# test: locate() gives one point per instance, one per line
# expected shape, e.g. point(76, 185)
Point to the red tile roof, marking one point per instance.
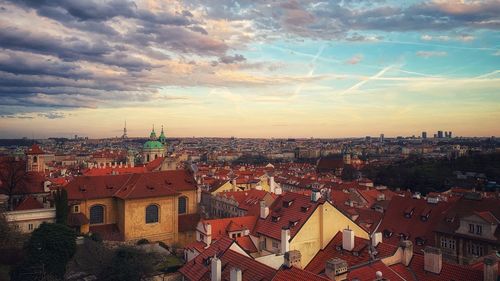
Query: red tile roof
point(34, 150)
point(221, 227)
point(368, 273)
point(395, 221)
point(248, 200)
point(115, 171)
point(130, 186)
point(29, 203)
point(334, 250)
point(300, 209)
point(295, 274)
point(154, 164)
point(448, 272)
point(246, 243)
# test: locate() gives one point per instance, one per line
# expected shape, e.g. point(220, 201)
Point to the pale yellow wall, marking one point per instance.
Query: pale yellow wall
point(225, 187)
point(319, 230)
point(135, 220)
point(109, 209)
point(192, 205)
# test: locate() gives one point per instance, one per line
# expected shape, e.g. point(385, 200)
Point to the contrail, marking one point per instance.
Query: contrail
point(311, 71)
point(361, 83)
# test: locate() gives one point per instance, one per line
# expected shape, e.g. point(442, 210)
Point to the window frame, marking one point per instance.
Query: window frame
point(185, 211)
point(152, 220)
point(103, 214)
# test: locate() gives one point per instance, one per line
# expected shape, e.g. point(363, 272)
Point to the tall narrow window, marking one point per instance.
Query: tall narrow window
point(151, 213)
point(96, 214)
point(182, 205)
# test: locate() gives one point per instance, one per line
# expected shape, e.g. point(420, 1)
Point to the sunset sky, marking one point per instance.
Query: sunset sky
point(249, 68)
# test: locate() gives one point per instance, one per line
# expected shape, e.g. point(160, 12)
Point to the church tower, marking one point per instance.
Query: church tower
point(152, 149)
point(35, 159)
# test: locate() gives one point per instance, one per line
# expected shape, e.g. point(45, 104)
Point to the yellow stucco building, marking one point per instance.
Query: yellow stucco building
point(132, 206)
point(299, 222)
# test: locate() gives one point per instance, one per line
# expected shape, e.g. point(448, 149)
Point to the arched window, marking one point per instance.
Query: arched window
point(182, 205)
point(97, 214)
point(147, 158)
point(152, 213)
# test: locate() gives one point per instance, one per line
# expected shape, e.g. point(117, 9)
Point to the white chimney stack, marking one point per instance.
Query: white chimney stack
point(235, 274)
point(215, 267)
point(272, 184)
point(433, 259)
point(348, 239)
point(208, 235)
point(285, 240)
point(264, 210)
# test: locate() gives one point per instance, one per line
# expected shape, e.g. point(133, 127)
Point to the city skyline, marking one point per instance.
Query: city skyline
point(250, 69)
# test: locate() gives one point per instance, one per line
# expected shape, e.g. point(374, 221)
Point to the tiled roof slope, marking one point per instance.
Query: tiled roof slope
point(300, 209)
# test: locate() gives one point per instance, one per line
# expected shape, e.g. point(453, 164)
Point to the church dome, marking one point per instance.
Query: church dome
point(152, 145)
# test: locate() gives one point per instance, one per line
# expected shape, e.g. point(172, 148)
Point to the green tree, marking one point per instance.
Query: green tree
point(48, 251)
point(128, 264)
point(61, 202)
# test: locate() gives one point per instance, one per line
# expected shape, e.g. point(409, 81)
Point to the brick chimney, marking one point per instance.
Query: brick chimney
point(235, 274)
point(215, 268)
point(293, 258)
point(264, 210)
point(208, 236)
point(490, 268)
point(433, 259)
point(336, 269)
point(348, 239)
point(407, 255)
point(376, 238)
point(285, 240)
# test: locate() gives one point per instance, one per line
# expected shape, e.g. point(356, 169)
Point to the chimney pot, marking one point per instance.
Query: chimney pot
point(348, 239)
point(264, 210)
point(293, 258)
point(336, 269)
point(407, 255)
point(285, 240)
point(235, 274)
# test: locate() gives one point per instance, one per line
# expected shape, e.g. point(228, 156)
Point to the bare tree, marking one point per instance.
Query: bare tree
point(13, 178)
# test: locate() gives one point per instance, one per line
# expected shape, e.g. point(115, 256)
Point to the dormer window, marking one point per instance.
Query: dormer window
point(305, 208)
point(275, 218)
point(76, 208)
point(293, 222)
point(409, 212)
point(471, 228)
point(420, 241)
point(479, 229)
point(387, 233)
point(287, 203)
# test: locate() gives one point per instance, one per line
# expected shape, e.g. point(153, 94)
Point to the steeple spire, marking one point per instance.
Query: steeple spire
point(162, 137)
point(152, 136)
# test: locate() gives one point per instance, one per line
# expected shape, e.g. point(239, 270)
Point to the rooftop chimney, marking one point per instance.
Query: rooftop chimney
point(293, 258)
point(407, 255)
point(336, 269)
point(433, 259)
point(235, 274)
point(490, 268)
point(348, 239)
point(208, 236)
point(264, 210)
point(376, 239)
point(215, 267)
point(285, 240)
point(272, 184)
point(315, 195)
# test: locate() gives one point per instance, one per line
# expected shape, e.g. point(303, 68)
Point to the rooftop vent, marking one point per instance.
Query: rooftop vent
point(305, 208)
point(275, 218)
point(409, 212)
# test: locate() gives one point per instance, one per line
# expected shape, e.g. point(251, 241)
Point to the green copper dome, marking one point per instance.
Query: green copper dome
point(153, 145)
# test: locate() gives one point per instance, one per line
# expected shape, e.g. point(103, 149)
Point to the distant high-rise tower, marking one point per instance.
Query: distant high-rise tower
point(424, 135)
point(125, 131)
point(381, 137)
point(440, 134)
point(449, 134)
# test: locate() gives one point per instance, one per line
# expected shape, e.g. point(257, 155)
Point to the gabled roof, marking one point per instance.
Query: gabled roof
point(413, 226)
point(29, 203)
point(221, 227)
point(287, 208)
point(368, 273)
point(199, 267)
point(248, 200)
point(131, 186)
point(334, 250)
